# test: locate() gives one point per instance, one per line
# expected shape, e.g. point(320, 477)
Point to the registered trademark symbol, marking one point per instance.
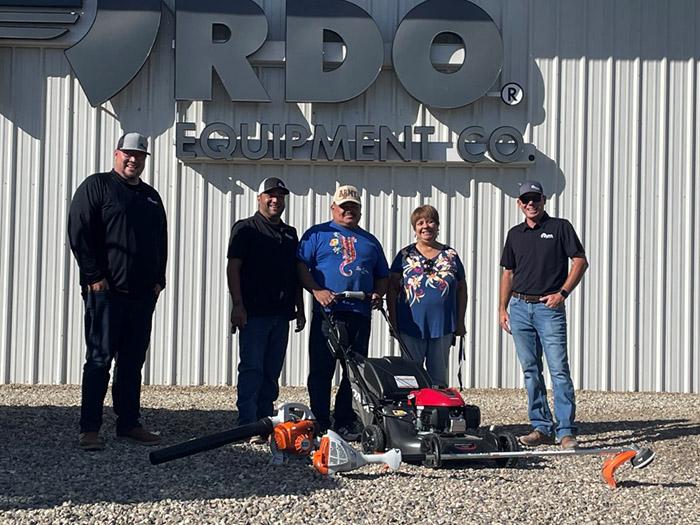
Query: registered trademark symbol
point(512, 94)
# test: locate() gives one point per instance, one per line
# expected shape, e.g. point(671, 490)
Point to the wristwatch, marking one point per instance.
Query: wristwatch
point(564, 293)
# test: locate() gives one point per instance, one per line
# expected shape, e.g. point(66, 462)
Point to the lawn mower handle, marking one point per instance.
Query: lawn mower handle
point(395, 333)
point(360, 296)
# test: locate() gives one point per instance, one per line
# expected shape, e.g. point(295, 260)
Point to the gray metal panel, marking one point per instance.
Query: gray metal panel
point(612, 104)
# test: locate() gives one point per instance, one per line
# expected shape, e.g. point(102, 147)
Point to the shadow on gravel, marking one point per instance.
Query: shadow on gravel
point(41, 465)
point(624, 433)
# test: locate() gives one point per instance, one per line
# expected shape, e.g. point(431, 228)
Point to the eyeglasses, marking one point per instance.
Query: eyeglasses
point(534, 197)
point(428, 265)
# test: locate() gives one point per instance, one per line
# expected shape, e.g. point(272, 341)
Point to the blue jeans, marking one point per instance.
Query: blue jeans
point(435, 352)
point(535, 328)
point(354, 326)
point(117, 327)
point(262, 347)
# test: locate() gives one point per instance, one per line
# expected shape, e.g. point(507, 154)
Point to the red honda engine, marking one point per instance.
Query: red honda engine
point(431, 397)
point(443, 410)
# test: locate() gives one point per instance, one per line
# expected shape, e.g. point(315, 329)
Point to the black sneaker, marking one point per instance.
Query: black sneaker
point(351, 432)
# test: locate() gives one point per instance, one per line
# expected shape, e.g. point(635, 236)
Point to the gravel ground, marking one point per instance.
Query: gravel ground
point(45, 478)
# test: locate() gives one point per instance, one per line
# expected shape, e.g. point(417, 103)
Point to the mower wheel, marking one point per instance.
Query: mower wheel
point(373, 439)
point(507, 442)
point(432, 447)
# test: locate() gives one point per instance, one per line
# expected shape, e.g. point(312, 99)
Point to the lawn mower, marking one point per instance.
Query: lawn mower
point(400, 407)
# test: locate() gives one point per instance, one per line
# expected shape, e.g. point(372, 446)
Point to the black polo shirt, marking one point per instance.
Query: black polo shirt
point(539, 256)
point(268, 269)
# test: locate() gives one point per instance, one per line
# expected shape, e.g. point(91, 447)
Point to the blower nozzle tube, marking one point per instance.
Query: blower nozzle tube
point(263, 427)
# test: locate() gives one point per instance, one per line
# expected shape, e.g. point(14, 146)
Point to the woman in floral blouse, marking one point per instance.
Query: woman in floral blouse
point(427, 296)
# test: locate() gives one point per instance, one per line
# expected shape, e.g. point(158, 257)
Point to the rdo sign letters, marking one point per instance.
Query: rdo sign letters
point(198, 52)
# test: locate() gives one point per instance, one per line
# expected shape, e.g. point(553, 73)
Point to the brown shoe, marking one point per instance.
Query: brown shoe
point(568, 443)
point(140, 436)
point(536, 438)
point(91, 441)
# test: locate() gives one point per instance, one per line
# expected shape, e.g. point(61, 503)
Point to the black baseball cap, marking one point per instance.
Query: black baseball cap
point(272, 183)
point(531, 186)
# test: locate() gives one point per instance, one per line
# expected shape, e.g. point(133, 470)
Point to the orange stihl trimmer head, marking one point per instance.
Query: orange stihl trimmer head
point(638, 457)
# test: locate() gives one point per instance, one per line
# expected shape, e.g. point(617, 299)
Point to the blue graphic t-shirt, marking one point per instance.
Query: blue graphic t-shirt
point(427, 304)
point(343, 260)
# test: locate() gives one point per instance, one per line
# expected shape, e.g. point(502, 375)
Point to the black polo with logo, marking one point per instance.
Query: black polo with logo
point(539, 256)
point(268, 269)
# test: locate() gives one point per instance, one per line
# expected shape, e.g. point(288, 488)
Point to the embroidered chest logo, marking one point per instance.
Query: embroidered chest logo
point(346, 247)
point(547, 236)
point(152, 201)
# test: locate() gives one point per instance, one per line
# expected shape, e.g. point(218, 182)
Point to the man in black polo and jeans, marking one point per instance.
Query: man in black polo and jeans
point(262, 281)
point(118, 234)
point(535, 283)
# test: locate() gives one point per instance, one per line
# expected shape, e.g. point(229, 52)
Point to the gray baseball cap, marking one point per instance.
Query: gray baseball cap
point(133, 142)
point(531, 186)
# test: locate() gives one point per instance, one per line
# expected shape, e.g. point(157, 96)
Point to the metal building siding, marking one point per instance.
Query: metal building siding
point(612, 104)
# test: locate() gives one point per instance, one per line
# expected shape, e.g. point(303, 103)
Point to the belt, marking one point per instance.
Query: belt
point(527, 298)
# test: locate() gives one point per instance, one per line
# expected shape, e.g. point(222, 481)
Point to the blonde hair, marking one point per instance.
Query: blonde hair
point(424, 212)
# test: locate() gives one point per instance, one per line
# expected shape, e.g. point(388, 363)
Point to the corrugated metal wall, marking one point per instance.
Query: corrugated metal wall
point(611, 105)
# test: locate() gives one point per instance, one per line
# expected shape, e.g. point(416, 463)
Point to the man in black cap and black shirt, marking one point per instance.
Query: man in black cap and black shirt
point(263, 283)
point(118, 233)
point(535, 283)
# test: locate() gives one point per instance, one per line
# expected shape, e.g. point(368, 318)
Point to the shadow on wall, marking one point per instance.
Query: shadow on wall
point(143, 105)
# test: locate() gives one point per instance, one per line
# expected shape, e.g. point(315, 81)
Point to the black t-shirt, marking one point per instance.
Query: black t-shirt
point(268, 269)
point(539, 256)
point(118, 232)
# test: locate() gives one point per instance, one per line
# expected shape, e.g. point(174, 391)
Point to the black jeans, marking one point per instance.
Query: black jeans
point(322, 366)
point(116, 326)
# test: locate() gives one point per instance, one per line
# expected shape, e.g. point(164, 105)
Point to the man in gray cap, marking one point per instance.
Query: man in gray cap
point(118, 233)
point(263, 284)
point(535, 283)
